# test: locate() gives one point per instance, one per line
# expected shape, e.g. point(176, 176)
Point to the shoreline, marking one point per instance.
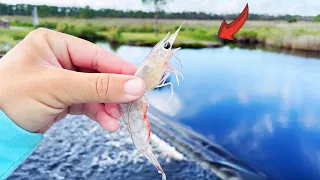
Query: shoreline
point(217, 45)
point(179, 44)
point(239, 41)
point(246, 44)
point(257, 42)
point(243, 44)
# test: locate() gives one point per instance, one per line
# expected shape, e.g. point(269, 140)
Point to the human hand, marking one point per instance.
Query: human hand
point(50, 74)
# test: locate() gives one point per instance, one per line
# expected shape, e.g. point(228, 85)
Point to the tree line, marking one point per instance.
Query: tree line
point(87, 12)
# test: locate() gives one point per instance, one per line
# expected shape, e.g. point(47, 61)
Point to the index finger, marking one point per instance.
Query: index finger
point(72, 51)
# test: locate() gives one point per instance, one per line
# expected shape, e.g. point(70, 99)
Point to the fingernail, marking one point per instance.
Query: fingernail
point(134, 87)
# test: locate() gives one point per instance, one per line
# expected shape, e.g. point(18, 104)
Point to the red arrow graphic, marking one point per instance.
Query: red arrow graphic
point(227, 31)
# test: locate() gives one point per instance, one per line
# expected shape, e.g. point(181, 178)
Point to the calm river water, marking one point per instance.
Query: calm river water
point(253, 110)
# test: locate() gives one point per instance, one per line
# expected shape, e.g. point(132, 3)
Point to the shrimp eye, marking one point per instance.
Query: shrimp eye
point(167, 45)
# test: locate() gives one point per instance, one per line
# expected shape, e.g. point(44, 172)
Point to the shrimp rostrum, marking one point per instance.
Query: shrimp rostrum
point(154, 71)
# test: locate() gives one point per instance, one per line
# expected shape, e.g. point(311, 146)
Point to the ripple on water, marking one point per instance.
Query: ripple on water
point(77, 148)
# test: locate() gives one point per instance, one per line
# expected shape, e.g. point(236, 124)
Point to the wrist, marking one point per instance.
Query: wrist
point(16, 144)
point(15, 132)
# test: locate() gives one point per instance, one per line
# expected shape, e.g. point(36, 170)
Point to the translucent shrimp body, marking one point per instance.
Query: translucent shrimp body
point(134, 116)
point(154, 70)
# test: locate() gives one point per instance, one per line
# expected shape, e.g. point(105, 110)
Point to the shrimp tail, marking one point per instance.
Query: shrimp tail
point(134, 115)
point(150, 156)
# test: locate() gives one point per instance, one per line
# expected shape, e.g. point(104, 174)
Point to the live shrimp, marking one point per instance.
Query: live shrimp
point(154, 71)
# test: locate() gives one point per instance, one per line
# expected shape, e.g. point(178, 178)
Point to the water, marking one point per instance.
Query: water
point(236, 109)
point(78, 148)
point(260, 106)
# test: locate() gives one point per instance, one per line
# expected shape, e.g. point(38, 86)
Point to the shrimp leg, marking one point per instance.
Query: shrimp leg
point(173, 69)
point(167, 73)
point(166, 84)
point(164, 78)
point(176, 72)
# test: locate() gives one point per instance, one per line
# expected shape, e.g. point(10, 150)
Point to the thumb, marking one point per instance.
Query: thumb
point(78, 87)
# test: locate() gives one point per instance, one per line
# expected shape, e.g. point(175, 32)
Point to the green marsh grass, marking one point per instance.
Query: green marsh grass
point(194, 33)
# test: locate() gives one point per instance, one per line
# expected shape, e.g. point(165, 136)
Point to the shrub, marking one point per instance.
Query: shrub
point(114, 34)
point(292, 20)
point(81, 31)
point(7, 39)
point(317, 18)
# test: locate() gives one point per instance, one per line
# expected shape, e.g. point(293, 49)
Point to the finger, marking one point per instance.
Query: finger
point(77, 88)
point(61, 115)
point(71, 51)
point(96, 112)
point(75, 109)
point(87, 70)
point(112, 110)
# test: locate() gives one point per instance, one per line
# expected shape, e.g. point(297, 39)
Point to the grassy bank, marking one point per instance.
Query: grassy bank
point(10, 37)
point(194, 34)
point(297, 36)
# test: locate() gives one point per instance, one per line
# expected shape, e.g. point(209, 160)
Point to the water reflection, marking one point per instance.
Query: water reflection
point(158, 100)
point(263, 107)
point(114, 47)
point(301, 53)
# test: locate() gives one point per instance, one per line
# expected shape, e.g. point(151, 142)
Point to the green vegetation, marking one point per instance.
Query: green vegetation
point(4, 39)
point(317, 18)
point(302, 36)
point(8, 36)
point(194, 34)
point(128, 32)
point(86, 12)
point(87, 32)
point(156, 4)
point(292, 20)
point(16, 33)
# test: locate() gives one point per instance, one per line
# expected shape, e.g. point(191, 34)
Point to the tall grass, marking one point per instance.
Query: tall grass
point(299, 35)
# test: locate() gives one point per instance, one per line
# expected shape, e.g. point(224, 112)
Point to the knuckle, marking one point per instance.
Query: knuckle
point(41, 29)
point(38, 31)
point(103, 87)
point(37, 36)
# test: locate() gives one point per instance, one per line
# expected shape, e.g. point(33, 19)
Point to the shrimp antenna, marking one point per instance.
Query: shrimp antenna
point(178, 59)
